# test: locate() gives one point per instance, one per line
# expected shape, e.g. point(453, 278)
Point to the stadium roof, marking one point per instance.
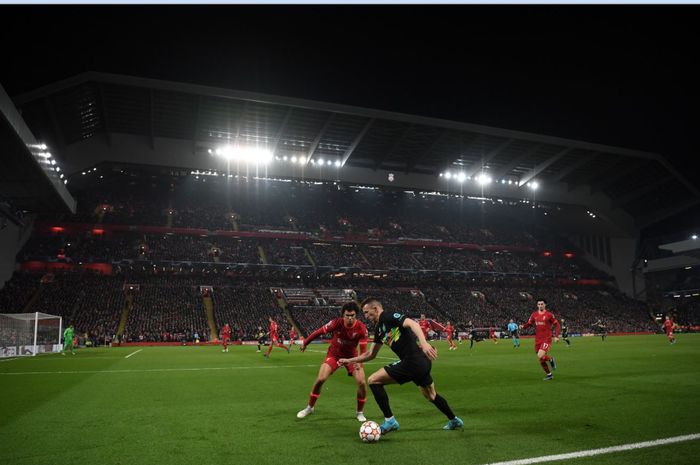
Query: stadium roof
point(29, 178)
point(643, 184)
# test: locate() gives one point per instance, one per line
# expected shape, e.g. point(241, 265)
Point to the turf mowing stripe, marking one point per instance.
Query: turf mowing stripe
point(8, 360)
point(604, 450)
point(133, 353)
point(158, 370)
point(323, 352)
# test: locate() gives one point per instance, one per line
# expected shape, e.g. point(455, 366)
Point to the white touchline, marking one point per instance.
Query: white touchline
point(133, 353)
point(604, 450)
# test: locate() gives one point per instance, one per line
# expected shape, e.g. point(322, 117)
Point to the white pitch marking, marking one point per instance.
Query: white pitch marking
point(133, 353)
point(604, 450)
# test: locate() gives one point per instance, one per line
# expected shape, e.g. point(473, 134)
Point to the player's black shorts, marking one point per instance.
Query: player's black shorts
point(514, 333)
point(262, 341)
point(414, 369)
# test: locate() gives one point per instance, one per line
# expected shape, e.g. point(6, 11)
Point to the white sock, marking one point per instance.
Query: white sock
point(388, 419)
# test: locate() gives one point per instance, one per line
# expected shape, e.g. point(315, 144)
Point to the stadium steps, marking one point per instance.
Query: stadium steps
point(309, 257)
point(128, 303)
point(263, 256)
point(169, 222)
point(234, 223)
point(418, 262)
point(437, 312)
point(209, 310)
point(364, 258)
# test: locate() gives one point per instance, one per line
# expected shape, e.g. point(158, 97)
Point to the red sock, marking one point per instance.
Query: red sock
point(361, 404)
point(313, 398)
point(269, 349)
point(544, 366)
point(282, 346)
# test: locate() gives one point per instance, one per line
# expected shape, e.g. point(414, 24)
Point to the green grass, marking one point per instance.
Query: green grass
point(185, 405)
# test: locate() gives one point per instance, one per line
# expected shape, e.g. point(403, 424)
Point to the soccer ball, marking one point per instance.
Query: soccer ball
point(370, 432)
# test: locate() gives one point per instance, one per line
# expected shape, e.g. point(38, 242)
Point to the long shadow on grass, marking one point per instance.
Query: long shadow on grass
point(25, 393)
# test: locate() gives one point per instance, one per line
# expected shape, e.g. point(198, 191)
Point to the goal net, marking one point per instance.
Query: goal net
point(29, 333)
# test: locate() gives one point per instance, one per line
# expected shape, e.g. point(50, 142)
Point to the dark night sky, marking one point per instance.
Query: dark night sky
point(625, 75)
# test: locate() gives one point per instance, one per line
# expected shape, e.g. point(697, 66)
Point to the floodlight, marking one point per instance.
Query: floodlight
point(448, 175)
point(337, 163)
point(461, 177)
point(294, 159)
point(483, 179)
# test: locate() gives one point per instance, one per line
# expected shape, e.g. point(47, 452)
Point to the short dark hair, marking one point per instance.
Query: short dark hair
point(542, 300)
point(370, 301)
point(350, 307)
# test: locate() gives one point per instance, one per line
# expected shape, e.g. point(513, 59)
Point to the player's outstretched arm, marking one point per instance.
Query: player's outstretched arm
point(311, 337)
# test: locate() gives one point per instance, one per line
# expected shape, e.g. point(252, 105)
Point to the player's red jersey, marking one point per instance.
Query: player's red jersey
point(449, 331)
point(668, 326)
point(345, 340)
point(491, 332)
point(292, 334)
point(543, 326)
point(273, 330)
point(226, 332)
point(424, 325)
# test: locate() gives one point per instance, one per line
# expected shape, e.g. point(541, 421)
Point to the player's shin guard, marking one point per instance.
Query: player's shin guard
point(382, 399)
point(441, 404)
point(545, 367)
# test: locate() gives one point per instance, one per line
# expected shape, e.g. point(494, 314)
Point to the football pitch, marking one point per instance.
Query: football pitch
point(197, 405)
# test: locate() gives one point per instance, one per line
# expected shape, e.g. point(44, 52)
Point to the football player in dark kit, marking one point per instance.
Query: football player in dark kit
point(565, 332)
point(404, 336)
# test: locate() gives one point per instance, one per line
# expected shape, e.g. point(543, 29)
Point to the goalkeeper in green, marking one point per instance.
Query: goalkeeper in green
point(68, 340)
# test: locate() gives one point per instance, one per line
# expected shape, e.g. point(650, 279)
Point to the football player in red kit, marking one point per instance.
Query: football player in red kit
point(668, 329)
point(543, 320)
point(347, 333)
point(450, 331)
point(225, 337)
point(274, 338)
point(292, 336)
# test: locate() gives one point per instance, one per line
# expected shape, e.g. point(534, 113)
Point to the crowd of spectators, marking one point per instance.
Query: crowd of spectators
point(222, 202)
point(17, 292)
point(168, 305)
point(286, 253)
point(337, 255)
point(166, 310)
point(246, 308)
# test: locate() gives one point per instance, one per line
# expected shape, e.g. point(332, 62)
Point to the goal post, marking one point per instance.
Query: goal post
point(28, 334)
